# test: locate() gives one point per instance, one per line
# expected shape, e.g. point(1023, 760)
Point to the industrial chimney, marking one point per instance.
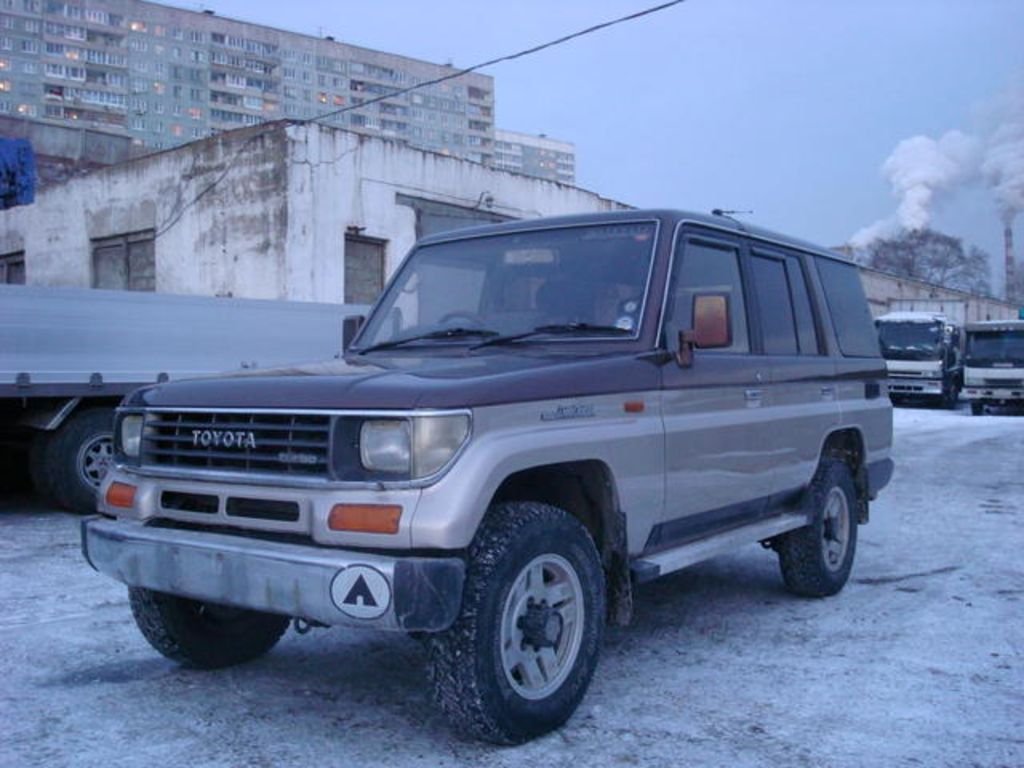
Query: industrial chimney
point(1008, 244)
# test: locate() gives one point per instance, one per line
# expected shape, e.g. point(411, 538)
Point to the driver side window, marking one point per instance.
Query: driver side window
point(705, 267)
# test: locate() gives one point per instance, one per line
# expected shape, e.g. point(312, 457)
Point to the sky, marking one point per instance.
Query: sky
point(788, 108)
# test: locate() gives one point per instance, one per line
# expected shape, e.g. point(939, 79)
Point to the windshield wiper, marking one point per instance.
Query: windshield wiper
point(560, 329)
point(443, 333)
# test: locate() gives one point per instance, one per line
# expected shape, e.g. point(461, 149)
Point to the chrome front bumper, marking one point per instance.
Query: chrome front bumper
point(995, 394)
point(331, 586)
point(905, 385)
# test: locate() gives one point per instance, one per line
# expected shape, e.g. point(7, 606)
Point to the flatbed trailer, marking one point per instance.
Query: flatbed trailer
point(68, 356)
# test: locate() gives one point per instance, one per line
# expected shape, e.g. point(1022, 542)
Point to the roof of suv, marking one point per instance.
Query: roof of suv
point(722, 222)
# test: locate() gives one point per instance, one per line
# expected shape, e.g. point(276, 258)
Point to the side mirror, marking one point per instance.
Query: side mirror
point(350, 327)
point(711, 327)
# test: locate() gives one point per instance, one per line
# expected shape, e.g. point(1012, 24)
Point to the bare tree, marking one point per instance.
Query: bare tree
point(925, 254)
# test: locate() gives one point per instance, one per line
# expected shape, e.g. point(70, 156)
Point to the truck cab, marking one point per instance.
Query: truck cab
point(923, 357)
point(994, 364)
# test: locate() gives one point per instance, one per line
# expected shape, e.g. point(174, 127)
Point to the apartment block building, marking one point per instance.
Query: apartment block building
point(537, 156)
point(165, 76)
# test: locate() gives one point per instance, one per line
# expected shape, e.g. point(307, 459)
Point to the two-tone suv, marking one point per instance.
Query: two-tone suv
point(534, 418)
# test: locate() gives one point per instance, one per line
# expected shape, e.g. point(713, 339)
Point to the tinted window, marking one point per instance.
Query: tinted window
point(707, 268)
point(807, 334)
point(848, 307)
point(514, 282)
point(774, 308)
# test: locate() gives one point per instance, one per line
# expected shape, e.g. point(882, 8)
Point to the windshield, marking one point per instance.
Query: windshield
point(910, 341)
point(996, 347)
point(459, 292)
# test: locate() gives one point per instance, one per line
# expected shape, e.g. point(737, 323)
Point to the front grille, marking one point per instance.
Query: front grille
point(189, 502)
point(263, 509)
point(261, 443)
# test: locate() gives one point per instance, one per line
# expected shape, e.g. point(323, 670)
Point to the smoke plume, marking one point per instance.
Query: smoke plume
point(1003, 166)
point(918, 170)
point(921, 170)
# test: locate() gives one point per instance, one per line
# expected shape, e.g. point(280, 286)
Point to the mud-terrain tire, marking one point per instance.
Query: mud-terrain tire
point(816, 559)
point(977, 409)
point(77, 456)
point(533, 574)
point(203, 635)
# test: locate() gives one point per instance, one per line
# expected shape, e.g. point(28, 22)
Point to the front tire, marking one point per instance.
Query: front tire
point(519, 658)
point(816, 560)
point(203, 635)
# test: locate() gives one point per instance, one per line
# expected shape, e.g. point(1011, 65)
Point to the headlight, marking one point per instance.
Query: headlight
point(131, 435)
point(384, 446)
point(416, 447)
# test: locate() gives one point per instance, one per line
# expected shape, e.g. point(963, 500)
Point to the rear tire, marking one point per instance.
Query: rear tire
point(977, 409)
point(203, 635)
point(519, 658)
point(816, 560)
point(77, 458)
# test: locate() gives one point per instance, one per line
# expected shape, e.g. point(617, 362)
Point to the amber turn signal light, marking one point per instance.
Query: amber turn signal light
point(121, 495)
point(365, 518)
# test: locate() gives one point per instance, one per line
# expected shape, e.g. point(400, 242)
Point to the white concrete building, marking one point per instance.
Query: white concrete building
point(282, 210)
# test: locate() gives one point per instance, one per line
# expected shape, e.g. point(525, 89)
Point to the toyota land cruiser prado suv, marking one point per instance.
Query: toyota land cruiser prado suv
point(534, 418)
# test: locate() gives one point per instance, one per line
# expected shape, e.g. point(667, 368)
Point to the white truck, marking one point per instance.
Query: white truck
point(923, 356)
point(68, 356)
point(994, 364)
point(954, 310)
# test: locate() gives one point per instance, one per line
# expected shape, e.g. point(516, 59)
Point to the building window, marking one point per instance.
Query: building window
point(125, 262)
point(12, 268)
point(364, 269)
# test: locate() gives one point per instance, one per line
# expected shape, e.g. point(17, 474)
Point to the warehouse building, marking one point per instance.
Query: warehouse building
point(283, 210)
point(892, 293)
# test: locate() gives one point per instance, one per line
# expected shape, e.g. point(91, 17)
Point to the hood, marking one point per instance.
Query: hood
point(407, 382)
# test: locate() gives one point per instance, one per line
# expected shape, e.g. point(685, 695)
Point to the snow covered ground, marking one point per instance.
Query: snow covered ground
point(918, 662)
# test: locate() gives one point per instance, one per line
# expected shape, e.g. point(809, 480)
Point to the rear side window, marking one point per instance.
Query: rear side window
point(774, 307)
point(805, 329)
point(848, 307)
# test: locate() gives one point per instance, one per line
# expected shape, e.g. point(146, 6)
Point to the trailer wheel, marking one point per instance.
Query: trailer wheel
point(78, 457)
